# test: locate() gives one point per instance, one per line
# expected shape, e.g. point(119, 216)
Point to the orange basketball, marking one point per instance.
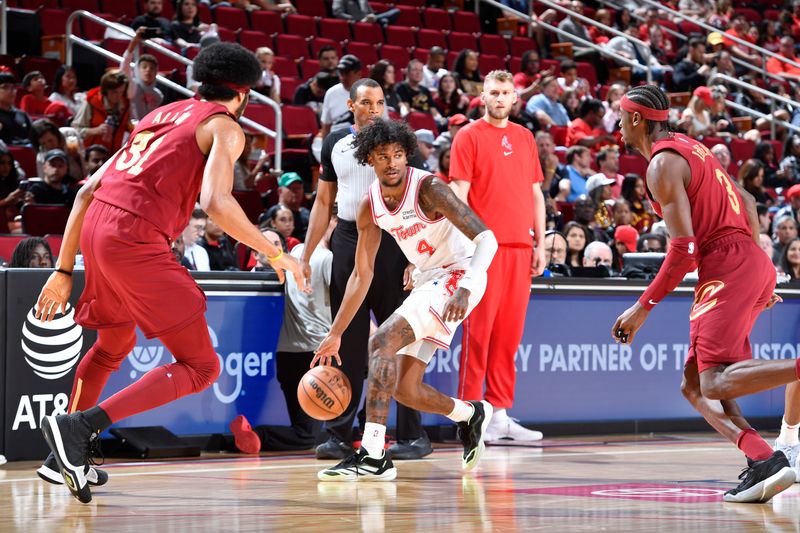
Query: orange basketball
point(324, 392)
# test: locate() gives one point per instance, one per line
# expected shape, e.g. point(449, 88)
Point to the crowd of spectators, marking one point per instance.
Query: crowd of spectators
point(589, 178)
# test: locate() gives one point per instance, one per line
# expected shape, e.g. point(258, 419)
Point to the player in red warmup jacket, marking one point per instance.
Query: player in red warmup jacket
point(713, 225)
point(124, 219)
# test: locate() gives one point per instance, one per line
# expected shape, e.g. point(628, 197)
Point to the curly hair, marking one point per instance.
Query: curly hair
point(225, 62)
point(383, 132)
point(21, 256)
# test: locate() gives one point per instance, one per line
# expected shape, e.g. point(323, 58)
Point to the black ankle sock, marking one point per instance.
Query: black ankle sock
point(98, 419)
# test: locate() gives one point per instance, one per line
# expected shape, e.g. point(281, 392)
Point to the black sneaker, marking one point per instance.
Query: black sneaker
point(333, 448)
point(50, 472)
point(411, 449)
point(69, 438)
point(361, 467)
point(471, 433)
point(762, 480)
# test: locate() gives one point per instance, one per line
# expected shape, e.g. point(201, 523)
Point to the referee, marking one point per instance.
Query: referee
point(342, 179)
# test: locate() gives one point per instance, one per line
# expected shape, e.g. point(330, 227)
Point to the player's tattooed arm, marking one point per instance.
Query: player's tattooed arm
point(437, 199)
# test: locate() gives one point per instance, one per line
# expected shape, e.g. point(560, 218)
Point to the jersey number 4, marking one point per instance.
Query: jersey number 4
point(132, 158)
point(424, 248)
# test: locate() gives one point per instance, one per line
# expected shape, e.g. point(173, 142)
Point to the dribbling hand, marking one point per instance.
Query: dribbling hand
point(54, 296)
point(328, 351)
point(628, 323)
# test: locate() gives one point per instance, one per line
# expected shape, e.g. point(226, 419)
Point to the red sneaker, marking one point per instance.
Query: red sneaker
point(244, 437)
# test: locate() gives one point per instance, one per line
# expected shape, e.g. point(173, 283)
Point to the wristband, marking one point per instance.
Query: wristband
point(65, 272)
point(270, 259)
point(681, 258)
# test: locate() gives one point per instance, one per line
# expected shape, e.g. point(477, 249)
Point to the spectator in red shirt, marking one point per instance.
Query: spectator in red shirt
point(603, 16)
point(587, 130)
point(650, 19)
point(35, 102)
point(528, 81)
point(781, 68)
point(739, 28)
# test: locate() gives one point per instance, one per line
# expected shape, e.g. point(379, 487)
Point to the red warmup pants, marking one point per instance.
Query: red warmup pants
point(493, 330)
point(133, 279)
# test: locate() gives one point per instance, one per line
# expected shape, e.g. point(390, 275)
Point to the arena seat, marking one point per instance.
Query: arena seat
point(317, 43)
point(26, 157)
point(427, 38)
point(366, 52)
point(291, 46)
point(302, 25)
point(367, 32)
point(269, 22)
point(233, 18)
point(419, 121)
point(466, 21)
point(632, 163)
point(55, 243)
point(314, 8)
point(336, 29)
point(459, 40)
point(437, 19)
point(252, 39)
point(41, 219)
point(92, 6)
point(284, 67)
point(400, 36)
point(288, 87)
point(493, 44)
point(397, 55)
point(7, 245)
point(409, 16)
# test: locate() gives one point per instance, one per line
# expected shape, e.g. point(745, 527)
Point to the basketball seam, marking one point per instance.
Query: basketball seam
point(333, 393)
point(313, 400)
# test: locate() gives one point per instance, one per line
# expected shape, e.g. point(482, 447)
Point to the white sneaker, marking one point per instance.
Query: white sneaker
point(792, 453)
point(509, 429)
point(2, 460)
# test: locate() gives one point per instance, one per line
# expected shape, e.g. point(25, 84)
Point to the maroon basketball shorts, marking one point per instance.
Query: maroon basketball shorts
point(132, 276)
point(736, 281)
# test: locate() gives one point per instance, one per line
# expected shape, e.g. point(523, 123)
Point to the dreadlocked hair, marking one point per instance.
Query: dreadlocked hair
point(652, 97)
point(383, 132)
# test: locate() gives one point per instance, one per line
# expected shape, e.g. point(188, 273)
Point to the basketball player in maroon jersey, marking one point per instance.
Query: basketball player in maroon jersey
point(713, 225)
point(123, 219)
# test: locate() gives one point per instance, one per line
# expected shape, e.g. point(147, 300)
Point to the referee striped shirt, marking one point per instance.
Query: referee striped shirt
point(339, 165)
point(353, 180)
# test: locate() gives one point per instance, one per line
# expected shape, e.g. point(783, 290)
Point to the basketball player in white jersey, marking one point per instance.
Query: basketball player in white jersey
point(451, 249)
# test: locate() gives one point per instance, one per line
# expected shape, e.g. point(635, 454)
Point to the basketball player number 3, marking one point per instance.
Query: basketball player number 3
point(724, 180)
point(138, 152)
point(424, 248)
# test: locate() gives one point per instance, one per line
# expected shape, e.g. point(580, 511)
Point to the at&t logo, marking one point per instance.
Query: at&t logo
point(52, 348)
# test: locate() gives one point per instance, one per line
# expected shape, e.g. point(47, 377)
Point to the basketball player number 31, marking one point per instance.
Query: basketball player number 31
point(724, 180)
point(138, 152)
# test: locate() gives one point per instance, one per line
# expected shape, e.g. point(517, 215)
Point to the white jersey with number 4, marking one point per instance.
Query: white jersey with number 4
point(427, 244)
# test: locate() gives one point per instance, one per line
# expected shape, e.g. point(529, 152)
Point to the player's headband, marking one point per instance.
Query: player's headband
point(647, 113)
point(244, 89)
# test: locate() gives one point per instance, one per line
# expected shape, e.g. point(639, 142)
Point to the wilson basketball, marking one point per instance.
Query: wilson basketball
point(324, 392)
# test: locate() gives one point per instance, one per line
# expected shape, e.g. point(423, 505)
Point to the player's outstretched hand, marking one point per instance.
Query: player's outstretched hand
point(628, 323)
point(773, 300)
point(456, 307)
point(408, 277)
point(328, 351)
point(54, 296)
point(292, 265)
point(306, 269)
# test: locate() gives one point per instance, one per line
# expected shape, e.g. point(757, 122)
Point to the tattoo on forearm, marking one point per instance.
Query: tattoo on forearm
point(436, 199)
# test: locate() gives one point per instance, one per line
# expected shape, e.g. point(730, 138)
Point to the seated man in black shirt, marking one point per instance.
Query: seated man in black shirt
point(413, 95)
point(15, 125)
point(221, 255)
point(53, 188)
point(312, 92)
point(153, 19)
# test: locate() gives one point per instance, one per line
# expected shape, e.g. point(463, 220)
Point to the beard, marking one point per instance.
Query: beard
point(242, 106)
point(498, 114)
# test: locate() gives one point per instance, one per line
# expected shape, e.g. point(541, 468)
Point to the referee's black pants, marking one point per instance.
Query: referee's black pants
point(384, 297)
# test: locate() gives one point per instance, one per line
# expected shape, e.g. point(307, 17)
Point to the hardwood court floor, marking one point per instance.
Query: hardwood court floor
point(665, 483)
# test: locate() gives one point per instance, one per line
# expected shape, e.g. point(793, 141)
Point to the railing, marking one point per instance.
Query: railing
point(755, 88)
point(583, 42)
point(74, 39)
point(4, 26)
point(763, 51)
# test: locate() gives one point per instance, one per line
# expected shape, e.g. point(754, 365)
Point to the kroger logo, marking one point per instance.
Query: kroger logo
point(234, 366)
point(52, 348)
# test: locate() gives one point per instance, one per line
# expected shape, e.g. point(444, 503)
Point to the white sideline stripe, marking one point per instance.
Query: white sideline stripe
point(319, 466)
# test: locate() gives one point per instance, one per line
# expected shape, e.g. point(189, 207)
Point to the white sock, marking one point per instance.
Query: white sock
point(788, 436)
point(499, 415)
point(374, 439)
point(462, 411)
